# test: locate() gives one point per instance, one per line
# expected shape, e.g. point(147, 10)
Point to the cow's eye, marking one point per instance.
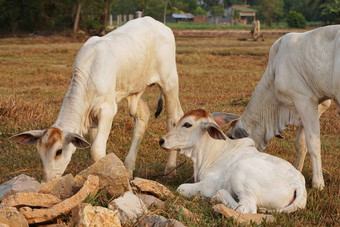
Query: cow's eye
point(59, 152)
point(187, 125)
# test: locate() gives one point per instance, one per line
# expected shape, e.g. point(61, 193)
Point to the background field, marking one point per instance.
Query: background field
point(216, 73)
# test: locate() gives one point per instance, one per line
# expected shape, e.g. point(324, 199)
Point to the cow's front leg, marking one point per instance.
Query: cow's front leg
point(189, 190)
point(106, 113)
point(300, 143)
point(223, 196)
point(310, 120)
point(173, 113)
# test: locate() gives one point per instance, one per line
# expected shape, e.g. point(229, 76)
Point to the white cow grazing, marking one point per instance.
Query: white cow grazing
point(108, 69)
point(234, 170)
point(303, 71)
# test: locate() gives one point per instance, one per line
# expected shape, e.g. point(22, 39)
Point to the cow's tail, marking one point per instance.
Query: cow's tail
point(159, 105)
point(300, 198)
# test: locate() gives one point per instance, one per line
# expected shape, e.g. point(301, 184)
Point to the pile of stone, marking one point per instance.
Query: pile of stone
point(24, 201)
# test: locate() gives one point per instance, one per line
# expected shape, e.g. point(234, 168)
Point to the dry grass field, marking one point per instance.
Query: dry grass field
point(216, 73)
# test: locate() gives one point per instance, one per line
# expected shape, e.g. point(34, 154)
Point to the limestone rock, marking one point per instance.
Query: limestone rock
point(32, 199)
point(21, 183)
point(111, 172)
point(149, 200)
point(151, 187)
point(89, 189)
point(129, 207)
point(87, 215)
point(11, 217)
point(60, 187)
point(158, 221)
point(53, 225)
point(243, 218)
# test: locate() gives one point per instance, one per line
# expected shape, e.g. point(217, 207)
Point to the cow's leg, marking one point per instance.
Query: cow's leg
point(310, 121)
point(173, 113)
point(300, 143)
point(105, 116)
point(223, 196)
point(247, 206)
point(94, 130)
point(141, 120)
point(189, 190)
point(301, 148)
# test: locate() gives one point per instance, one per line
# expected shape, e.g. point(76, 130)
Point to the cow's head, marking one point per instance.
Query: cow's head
point(189, 130)
point(55, 148)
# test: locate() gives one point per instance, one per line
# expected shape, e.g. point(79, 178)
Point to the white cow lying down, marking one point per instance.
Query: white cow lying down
point(303, 71)
point(108, 69)
point(234, 170)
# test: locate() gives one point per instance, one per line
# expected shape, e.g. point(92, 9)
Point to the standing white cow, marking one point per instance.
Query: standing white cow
point(108, 69)
point(234, 171)
point(303, 71)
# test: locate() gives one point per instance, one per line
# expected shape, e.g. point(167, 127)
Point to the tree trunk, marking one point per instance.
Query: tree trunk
point(106, 12)
point(164, 19)
point(76, 21)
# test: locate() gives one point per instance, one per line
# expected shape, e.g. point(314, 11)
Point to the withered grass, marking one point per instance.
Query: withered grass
point(217, 74)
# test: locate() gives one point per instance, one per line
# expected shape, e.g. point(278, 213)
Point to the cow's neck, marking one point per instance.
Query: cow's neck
point(206, 153)
point(74, 112)
point(264, 117)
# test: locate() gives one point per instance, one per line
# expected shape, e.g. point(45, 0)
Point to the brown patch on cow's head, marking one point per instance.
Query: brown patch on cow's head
point(198, 114)
point(49, 138)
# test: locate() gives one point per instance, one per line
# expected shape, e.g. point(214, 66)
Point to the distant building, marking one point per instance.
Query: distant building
point(245, 14)
point(200, 19)
point(177, 17)
point(236, 14)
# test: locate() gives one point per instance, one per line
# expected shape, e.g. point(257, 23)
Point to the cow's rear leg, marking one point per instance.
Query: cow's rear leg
point(300, 143)
point(141, 119)
point(105, 116)
point(173, 113)
point(223, 196)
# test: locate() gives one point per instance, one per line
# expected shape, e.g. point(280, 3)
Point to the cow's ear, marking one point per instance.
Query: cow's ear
point(28, 138)
point(235, 131)
point(214, 131)
point(223, 119)
point(77, 140)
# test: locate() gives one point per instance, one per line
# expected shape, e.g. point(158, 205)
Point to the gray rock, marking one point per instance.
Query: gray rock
point(129, 207)
point(149, 200)
point(158, 221)
point(21, 183)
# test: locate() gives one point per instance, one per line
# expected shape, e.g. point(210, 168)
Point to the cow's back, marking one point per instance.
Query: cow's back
point(129, 58)
point(306, 61)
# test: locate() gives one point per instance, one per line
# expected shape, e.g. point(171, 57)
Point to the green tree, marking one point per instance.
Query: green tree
point(331, 12)
point(208, 4)
point(155, 9)
point(217, 11)
point(199, 11)
point(296, 20)
point(270, 11)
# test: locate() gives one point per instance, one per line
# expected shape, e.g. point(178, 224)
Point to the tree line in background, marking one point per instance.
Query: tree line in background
point(92, 15)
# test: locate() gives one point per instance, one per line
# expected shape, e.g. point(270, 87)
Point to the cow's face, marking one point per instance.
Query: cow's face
point(189, 130)
point(55, 148)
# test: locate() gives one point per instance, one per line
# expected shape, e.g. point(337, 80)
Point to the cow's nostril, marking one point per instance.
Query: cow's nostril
point(161, 142)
